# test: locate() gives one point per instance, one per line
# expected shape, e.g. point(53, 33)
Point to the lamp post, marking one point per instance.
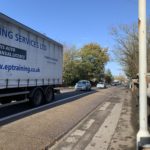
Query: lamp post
point(143, 136)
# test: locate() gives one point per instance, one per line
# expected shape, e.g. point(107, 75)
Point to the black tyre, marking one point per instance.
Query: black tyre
point(36, 98)
point(49, 94)
point(88, 89)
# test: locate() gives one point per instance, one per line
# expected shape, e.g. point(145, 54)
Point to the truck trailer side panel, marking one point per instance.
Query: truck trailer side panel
point(27, 58)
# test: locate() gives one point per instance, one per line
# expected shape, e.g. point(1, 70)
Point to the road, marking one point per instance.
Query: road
point(13, 111)
point(42, 127)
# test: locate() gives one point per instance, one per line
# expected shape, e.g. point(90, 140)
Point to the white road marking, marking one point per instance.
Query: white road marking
point(89, 124)
point(106, 104)
point(65, 148)
point(78, 133)
point(34, 109)
point(103, 137)
point(71, 140)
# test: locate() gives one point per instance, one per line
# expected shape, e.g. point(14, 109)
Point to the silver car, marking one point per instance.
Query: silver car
point(83, 85)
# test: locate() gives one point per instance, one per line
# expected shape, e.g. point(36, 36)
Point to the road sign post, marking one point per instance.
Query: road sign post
point(143, 136)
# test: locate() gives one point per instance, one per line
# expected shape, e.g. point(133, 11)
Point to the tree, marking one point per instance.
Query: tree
point(70, 66)
point(108, 76)
point(127, 49)
point(86, 63)
point(120, 78)
point(94, 57)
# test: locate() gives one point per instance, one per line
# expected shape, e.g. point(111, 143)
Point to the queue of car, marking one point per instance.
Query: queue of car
point(85, 85)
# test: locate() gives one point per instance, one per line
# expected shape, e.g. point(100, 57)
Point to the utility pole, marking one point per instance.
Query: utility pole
point(143, 136)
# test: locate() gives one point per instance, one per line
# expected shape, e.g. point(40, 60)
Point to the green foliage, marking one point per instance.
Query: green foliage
point(70, 66)
point(95, 58)
point(108, 76)
point(86, 63)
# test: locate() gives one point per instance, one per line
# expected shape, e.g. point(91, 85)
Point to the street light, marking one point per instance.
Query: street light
point(143, 136)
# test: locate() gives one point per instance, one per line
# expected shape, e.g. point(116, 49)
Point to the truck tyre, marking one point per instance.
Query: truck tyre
point(49, 94)
point(36, 98)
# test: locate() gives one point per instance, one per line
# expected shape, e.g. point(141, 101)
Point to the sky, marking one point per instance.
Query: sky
point(75, 22)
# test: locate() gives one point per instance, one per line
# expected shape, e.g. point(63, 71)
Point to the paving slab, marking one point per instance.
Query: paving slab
point(124, 137)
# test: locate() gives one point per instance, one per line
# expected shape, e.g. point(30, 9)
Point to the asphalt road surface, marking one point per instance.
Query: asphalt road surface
point(43, 126)
point(21, 107)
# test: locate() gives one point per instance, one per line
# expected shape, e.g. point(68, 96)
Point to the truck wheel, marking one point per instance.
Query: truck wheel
point(36, 98)
point(49, 94)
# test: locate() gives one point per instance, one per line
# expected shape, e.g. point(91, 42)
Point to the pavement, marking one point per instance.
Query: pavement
point(124, 137)
point(117, 131)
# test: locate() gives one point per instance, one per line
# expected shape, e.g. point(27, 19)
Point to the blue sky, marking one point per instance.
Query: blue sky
point(75, 22)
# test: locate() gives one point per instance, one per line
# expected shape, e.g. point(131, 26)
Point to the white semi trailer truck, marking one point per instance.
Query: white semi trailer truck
point(30, 63)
